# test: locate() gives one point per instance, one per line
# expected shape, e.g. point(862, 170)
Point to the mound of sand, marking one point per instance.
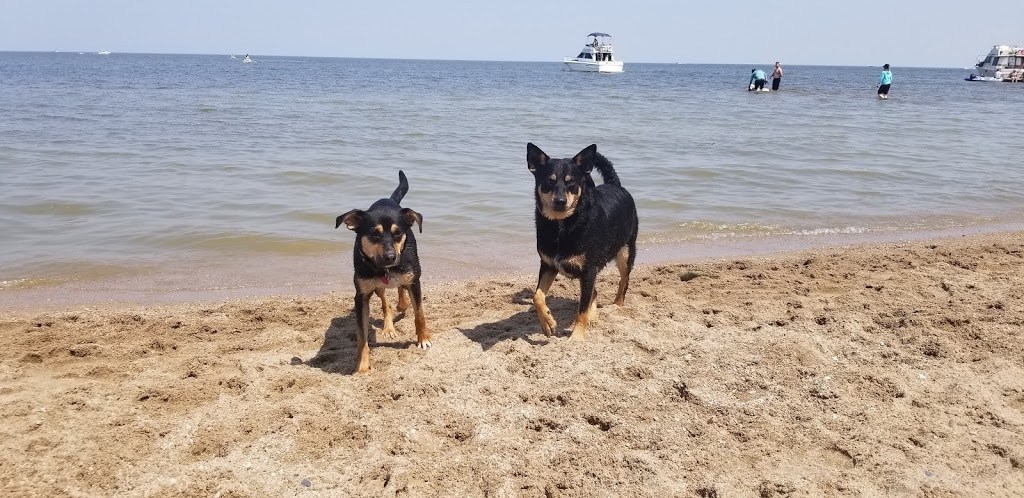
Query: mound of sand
point(879, 370)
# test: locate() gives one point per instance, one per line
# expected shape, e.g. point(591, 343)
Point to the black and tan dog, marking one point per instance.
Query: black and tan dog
point(580, 228)
point(385, 257)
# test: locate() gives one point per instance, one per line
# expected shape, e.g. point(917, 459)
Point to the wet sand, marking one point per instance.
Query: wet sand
point(884, 369)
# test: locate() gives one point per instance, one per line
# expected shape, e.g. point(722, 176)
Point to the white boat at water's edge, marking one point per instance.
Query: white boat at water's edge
point(105, 52)
point(1004, 63)
point(597, 56)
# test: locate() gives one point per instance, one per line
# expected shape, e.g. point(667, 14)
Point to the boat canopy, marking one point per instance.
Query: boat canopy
point(600, 34)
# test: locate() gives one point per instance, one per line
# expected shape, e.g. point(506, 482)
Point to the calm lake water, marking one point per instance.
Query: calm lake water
point(140, 177)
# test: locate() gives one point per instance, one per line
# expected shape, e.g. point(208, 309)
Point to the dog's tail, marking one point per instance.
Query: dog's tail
point(403, 188)
point(607, 171)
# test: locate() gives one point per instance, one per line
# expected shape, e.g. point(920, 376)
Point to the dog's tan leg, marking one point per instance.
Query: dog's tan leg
point(403, 299)
point(592, 313)
point(588, 305)
point(422, 334)
point(622, 261)
point(362, 333)
point(389, 318)
point(540, 299)
point(584, 320)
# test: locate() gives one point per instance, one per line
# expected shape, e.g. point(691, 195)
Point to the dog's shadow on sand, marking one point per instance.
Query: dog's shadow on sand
point(524, 324)
point(338, 352)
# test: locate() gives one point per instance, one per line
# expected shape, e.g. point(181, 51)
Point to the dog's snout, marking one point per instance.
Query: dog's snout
point(560, 202)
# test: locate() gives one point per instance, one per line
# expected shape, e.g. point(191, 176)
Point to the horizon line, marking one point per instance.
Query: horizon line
point(91, 52)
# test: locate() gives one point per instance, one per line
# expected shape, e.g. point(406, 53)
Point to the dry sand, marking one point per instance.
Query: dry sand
point(893, 369)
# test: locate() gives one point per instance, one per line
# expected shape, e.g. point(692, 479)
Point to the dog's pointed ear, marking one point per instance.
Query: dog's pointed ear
point(351, 219)
point(585, 159)
point(411, 217)
point(535, 157)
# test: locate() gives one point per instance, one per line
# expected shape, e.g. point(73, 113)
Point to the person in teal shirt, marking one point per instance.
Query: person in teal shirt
point(757, 79)
point(884, 82)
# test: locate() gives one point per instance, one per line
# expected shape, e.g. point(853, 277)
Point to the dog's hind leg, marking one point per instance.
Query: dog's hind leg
point(403, 299)
point(624, 260)
point(588, 305)
point(422, 334)
point(389, 318)
point(540, 298)
point(362, 333)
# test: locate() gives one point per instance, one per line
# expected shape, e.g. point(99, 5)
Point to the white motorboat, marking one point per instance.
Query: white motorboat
point(1003, 63)
point(105, 52)
point(247, 59)
point(233, 56)
point(596, 57)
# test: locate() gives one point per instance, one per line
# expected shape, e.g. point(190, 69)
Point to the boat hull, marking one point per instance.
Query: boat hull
point(594, 67)
point(1014, 78)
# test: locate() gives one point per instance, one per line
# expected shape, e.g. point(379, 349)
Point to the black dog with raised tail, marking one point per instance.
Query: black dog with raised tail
point(385, 257)
point(581, 227)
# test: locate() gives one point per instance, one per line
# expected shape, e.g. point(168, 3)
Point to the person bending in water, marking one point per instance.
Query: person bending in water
point(757, 78)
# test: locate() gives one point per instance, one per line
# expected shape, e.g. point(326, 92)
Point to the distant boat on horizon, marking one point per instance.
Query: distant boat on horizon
point(596, 57)
point(105, 52)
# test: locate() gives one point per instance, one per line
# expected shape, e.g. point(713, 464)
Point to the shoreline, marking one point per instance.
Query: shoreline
point(307, 276)
point(878, 369)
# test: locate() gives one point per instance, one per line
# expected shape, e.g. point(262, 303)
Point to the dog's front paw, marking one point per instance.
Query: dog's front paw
point(423, 344)
point(389, 330)
point(577, 337)
point(547, 322)
point(579, 331)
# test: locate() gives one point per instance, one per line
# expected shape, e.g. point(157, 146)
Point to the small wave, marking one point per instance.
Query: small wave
point(831, 231)
point(311, 178)
point(64, 209)
point(66, 271)
point(316, 217)
point(717, 230)
point(268, 244)
point(13, 284)
point(248, 243)
point(67, 118)
point(29, 283)
point(712, 227)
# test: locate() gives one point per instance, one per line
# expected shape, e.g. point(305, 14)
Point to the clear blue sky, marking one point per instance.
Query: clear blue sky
point(944, 33)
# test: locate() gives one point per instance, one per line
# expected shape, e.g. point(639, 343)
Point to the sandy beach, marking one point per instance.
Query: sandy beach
point(887, 369)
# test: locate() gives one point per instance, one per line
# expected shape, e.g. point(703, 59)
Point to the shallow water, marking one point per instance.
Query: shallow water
point(149, 174)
